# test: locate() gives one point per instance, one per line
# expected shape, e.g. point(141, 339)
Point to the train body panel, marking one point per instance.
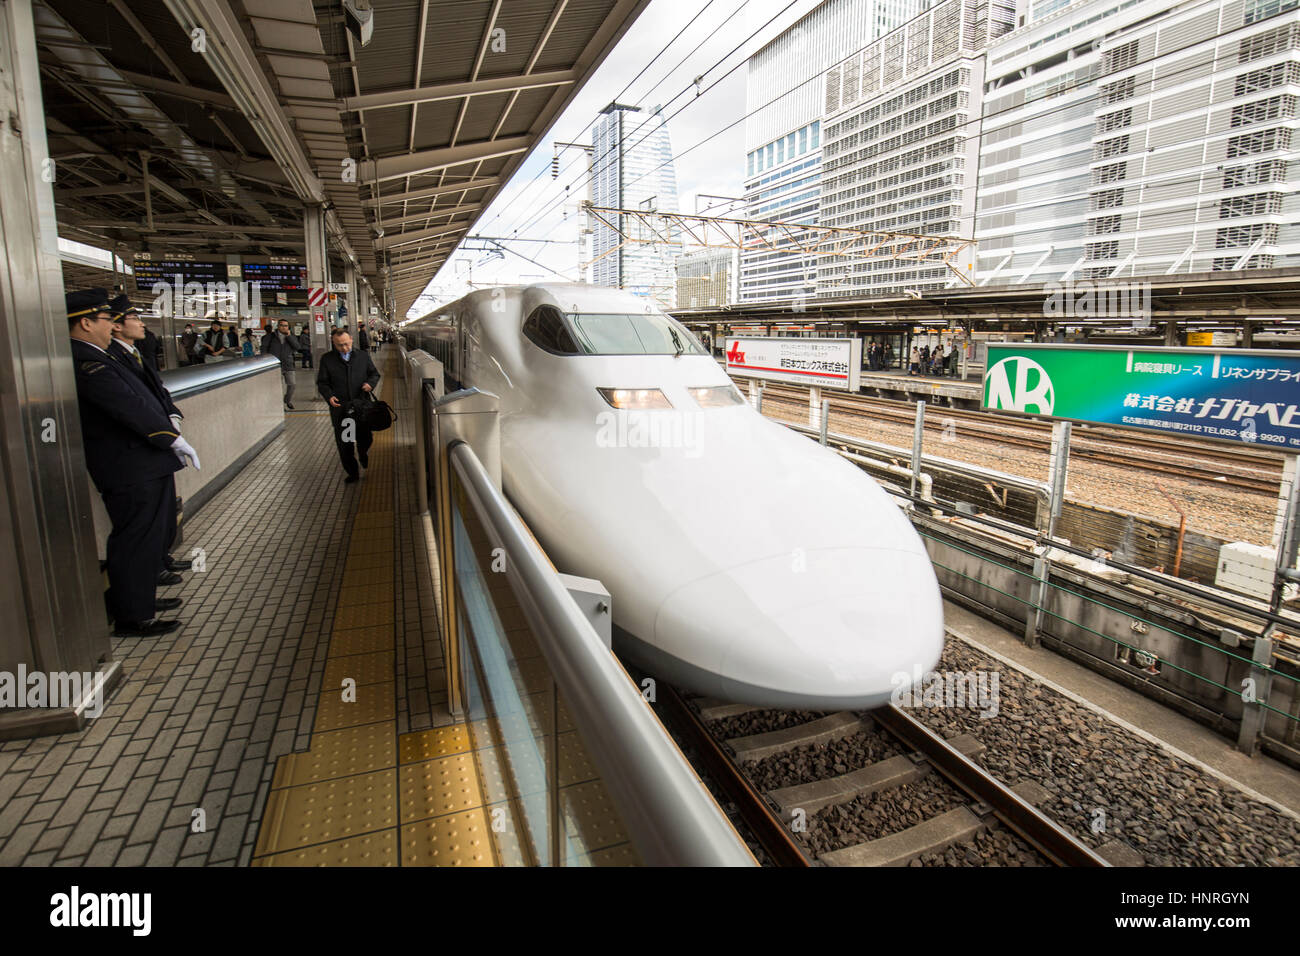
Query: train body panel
point(744, 561)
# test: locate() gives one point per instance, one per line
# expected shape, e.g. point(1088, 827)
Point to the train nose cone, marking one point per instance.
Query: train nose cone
point(826, 630)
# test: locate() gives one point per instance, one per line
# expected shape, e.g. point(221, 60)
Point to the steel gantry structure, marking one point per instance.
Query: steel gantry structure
point(751, 235)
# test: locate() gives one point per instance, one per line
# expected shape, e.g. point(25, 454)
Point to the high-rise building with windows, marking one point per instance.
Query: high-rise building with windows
point(901, 144)
point(1136, 137)
point(632, 168)
point(784, 102)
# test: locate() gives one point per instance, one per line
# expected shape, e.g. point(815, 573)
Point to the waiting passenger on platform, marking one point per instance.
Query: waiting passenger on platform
point(189, 347)
point(246, 347)
point(345, 380)
point(128, 335)
point(915, 367)
point(304, 340)
point(283, 346)
point(214, 343)
point(132, 451)
point(363, 338)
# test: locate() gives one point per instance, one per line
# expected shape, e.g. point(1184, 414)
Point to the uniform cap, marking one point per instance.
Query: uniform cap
point(86, 302)
point(120, 306)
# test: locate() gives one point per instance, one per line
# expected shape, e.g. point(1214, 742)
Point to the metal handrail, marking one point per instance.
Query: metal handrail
point(673, 819)
point(195, 379)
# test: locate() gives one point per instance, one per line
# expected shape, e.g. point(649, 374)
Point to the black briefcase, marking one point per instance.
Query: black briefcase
point(376, 415)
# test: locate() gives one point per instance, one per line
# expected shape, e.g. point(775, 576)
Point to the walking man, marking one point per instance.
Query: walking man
point(345, 380)
point(132, 450)
point(283, 345)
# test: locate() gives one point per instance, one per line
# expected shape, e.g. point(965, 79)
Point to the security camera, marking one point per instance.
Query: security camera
point(360, 19)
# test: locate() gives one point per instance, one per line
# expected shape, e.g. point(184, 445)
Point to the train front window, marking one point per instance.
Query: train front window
point(631, 334)
point(547, 330)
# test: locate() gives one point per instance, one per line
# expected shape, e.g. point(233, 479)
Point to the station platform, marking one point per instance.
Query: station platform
point(228, 743)
point(896, 384)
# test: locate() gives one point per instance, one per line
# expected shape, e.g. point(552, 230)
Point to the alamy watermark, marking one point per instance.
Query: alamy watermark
point(1098, 300)
point(624, 428)
point(197, 299)
point(973, 690)
point(73, 689)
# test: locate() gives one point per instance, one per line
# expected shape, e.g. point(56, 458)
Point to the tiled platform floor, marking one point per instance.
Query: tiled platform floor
point(204, 714)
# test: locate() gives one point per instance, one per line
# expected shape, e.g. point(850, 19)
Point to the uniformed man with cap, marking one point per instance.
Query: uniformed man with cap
point(132, 452)
point(128, 347)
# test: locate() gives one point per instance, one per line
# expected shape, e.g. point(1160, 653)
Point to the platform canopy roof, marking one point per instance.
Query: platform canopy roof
point(204, 125)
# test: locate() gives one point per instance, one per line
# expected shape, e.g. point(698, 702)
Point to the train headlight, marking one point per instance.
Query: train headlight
point(716, 396)
point(635, 398)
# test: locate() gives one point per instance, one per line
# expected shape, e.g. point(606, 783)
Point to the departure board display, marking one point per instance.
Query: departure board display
point(150, 270)
point(276, 276)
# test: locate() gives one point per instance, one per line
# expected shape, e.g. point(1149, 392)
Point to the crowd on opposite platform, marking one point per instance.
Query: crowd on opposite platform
point(131, 431)
point(923, 359)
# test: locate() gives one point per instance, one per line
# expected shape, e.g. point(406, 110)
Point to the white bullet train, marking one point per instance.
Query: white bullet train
point(745, 562)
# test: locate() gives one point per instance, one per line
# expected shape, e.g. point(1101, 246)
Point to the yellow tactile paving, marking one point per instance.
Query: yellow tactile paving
point(362, 668)
point(329, 810)
point(459, 839)
point(338, 753)
point(371, 849)
point(374, 702)
point(434, 787)
point(364, 615)
point(340, 802)
point(361, 640)
point(359, 594)
point(438, 742)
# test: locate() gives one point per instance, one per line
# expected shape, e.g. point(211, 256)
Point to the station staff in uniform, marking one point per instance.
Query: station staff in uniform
point(343, 379)
point(132, 451)
point(129, 346)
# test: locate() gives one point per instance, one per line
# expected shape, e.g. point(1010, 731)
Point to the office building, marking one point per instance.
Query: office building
point(1125, 138)
point(901, 144)
point(784, 102)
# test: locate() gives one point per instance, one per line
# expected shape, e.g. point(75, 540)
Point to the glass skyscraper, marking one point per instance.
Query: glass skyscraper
point(632, 168)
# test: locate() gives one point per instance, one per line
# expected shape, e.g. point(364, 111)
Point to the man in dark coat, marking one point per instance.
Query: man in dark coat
point(128, 348)
point(188, 347)
point(132, 451)
point(345, 379)
point(283, 345)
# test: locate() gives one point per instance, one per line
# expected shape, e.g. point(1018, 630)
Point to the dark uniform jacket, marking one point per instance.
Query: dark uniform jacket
point(147, 374)
point(343, 380)
point(151, 349)
point(284, 351)
point(127, 434)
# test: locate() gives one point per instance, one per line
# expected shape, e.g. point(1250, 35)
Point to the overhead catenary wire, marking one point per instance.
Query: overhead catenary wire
point(982, 118)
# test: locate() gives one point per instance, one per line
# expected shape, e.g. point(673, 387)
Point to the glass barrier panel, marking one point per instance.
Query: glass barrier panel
point(544, 800)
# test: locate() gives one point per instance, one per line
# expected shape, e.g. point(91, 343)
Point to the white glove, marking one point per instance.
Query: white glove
point(184, 450)
point(176, 422)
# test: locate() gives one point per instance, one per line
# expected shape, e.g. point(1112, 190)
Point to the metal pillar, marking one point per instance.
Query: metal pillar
point(918, 437)
point(1042, 565)
point(814, 407)
point(826, 417)
point(317, 272)
point(51, 590)
point(349, 298)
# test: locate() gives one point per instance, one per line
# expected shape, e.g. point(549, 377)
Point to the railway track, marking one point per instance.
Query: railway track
point(1249, 471)
point(917, 768)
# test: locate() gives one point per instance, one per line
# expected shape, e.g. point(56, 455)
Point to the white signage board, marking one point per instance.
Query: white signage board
point(819, 363)
point(337, 287)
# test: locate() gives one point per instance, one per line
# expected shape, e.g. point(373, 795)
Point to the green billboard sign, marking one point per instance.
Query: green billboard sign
point(1225, 394)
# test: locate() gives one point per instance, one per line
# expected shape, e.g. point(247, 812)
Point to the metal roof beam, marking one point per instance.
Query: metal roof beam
point(395, 239)
point(452, 91)
point(433, 191)
point(431, 160)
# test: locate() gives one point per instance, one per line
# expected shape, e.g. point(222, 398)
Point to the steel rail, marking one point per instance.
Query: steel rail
point(1033, 826)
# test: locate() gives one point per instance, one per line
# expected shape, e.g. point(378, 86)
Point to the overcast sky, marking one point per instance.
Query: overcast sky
point(531, 204)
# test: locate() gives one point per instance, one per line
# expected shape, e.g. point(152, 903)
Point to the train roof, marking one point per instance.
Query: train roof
point(566, 296)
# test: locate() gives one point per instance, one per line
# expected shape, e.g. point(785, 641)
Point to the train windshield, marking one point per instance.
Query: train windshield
point(630, 334)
